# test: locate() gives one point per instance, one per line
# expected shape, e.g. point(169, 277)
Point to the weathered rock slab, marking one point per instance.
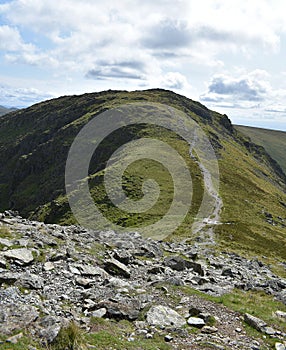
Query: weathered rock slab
point(21, 256)
point(163, 316)
point(15, 317)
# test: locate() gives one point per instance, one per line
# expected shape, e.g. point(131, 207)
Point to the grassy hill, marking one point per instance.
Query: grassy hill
point(272, 140)
point(34, 145)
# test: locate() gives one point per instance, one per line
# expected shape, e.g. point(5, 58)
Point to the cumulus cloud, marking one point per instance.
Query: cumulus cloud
point(125, 69)
point(250, 97)
point(20, 97)
point(77, 31)
point(168, 34)
point(174, 80)
point(158, 43)
point(11, 41)
point(251, 87)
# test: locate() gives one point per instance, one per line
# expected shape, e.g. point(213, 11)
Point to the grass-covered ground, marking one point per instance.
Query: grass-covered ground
point(34, 153)
point(109, 334)
point(273, 141)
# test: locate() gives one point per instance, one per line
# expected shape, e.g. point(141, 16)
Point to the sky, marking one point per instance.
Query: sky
point(229, 55)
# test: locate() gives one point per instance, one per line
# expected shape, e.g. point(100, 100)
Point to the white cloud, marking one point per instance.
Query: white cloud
point(18, 97)
point(174, 80)
point(10, 40)
point(249, 98)
point(245, 90)
point(82, 31)
point(93, 44)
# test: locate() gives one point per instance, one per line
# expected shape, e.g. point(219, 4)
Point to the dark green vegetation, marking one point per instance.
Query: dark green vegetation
point(34, 144)
point(273, 141)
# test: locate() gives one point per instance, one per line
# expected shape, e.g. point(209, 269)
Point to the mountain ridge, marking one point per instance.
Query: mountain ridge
point(35, 142)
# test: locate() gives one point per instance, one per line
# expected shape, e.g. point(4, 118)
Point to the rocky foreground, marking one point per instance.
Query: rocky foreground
point(51, 276)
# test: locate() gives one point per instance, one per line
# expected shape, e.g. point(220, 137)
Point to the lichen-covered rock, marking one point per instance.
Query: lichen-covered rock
point(21, 256)
point(115, 267)
point(89, 279)
point(196, 322)
point(15, 317)
point(163, 316)
point(255, 322)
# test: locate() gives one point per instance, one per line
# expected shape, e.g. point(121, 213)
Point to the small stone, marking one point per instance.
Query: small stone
point(6, 242)
point(156, 270)
point(115, 267)
point(88, 270)
point(280, 346)
point(227, 271)
point(99, 313)
point(15, 338)
point(238, 330)
point(192, 254)
point(89, 304)
point(123, 256)
point(164, 316)
point(175, 262)
point(149, 336)
point(84, 282)
point(269, 331)
point(118, 283)
point(30, 281)
point(168, 338)
point(196, 322)
point(255, 345)
point(209, 329)
point(197, 267)
point(49, 266)
point(205, 316)
point(50, 328)
point(121, 310)
point(281, 314)
point(175, 281)
point(255, 322)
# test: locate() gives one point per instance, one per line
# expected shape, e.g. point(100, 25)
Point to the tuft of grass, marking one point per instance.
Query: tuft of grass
point(256, 303)
point(211, 321)
point(114, 335)
point(70, 337)
point(5, 232)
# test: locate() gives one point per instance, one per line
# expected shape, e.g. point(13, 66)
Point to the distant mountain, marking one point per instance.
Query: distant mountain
point(272, 140)
point(4, 110)
point(34, 144)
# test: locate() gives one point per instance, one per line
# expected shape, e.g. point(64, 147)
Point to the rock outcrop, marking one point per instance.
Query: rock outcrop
point(51, 275)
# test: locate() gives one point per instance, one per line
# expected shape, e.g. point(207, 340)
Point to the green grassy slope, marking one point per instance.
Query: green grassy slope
point(34, 144)
point(272, 140)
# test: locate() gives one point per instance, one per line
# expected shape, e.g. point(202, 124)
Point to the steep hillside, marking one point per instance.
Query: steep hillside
point(272, 140)
point(34, 145)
